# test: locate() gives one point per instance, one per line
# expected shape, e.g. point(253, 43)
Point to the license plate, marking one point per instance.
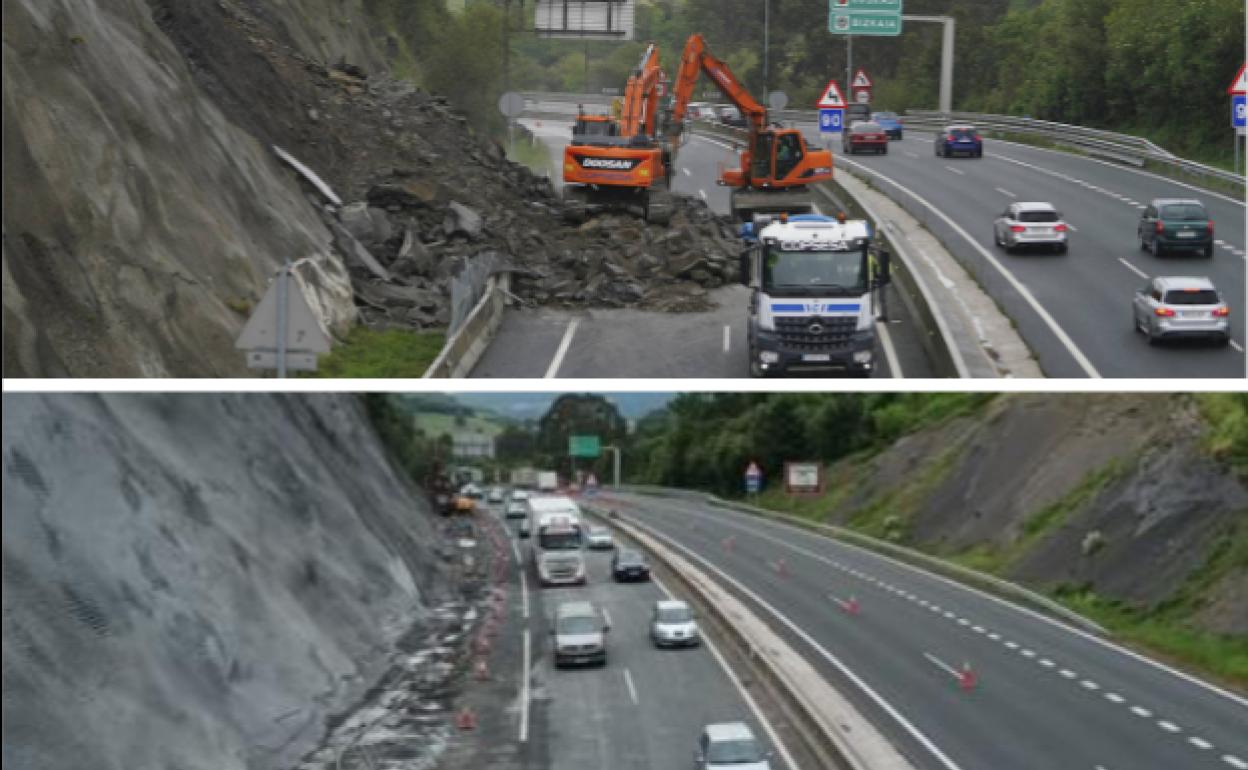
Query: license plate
point(1186, 234)
point(1193, 314)
point(816, 357)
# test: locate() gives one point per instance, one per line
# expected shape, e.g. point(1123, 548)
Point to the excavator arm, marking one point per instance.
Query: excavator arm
point(696, 60)
point(641, 95)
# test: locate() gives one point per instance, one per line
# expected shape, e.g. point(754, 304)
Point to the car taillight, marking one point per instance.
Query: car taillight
point(1209, 227)
point(1159, 228)
point(977, 138)
point(1164, 312)
point(1221, 312)
point(950, 138)
point(1061, 228)
point(1018, 229)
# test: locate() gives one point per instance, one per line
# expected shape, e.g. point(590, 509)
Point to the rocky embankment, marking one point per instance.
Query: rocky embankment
point(1112, 493)
point(213, 581)
point(146, 208)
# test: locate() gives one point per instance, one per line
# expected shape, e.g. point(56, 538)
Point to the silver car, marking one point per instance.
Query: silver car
point(730, 746)
point(580, 634)
point(1181, 306)
point(599, 538)
point(1030, 224)
point(672, 625)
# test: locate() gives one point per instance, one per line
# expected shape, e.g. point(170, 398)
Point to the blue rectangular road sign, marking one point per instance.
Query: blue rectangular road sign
point(1239, 111)
point(831, 121)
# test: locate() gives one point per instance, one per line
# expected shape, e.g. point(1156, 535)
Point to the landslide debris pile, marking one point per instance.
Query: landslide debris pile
point(424, 194)
point(146, 210)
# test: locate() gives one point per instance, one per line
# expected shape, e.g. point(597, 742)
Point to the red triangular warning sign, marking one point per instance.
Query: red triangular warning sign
point(861, 80)
point(1240, 84)
point(832, 97)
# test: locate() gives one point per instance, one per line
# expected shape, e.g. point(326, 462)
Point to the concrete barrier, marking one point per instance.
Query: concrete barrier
point(831, 727)
point(465, 347)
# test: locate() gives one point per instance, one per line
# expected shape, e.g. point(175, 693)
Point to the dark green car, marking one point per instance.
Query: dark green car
point(1174, 224)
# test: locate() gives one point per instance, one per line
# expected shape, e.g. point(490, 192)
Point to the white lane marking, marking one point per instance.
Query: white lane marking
point(801, 633)
point(1142, 712)
point(1237, 346)
point(685, 171)
point(557, 361)
point(1047, 663)
point(515, 551)
point(910, 154)
point(1018, 286)
point(941, 664)
point(957, 171)
point(890, 352)
point(727, 337)
point(1005, 192)
point(524, 594)
point(1114, 697)
point(1200, 743)
point(950, 582)
point(524, 689)
point(1012, 645)
point(978, 629)
point(1068, 673)
point(1235, 761)
point(606, 616)
point(1168, 726)
point(1088, 684)
point(1027, 653)
point(1133, 268)
point(632, 690)
point(768, 728)
point(994, 636)
point(703, 194)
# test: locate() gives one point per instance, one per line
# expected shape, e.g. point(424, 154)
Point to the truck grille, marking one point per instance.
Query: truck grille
point(815, 333)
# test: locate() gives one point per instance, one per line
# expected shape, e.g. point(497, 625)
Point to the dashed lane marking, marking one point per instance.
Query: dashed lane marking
point(1133, 268)
point(1005, 192)
point(632, 689)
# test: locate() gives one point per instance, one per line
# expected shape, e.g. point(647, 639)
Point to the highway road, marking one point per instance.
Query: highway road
point(646, 707)
point(1073, 310)
point(1045, 695)
point(1088, 291)
point(596, 343)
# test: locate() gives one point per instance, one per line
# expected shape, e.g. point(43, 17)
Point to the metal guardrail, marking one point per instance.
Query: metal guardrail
point(1122, 148)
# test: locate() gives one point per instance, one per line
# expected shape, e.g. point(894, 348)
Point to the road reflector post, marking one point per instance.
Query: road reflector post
point(466, 719)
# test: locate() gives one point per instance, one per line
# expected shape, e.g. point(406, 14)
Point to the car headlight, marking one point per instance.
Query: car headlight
point(862, 357)
point(769, 357)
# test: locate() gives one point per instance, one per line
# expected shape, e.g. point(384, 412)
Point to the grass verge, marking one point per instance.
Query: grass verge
point(392, 353)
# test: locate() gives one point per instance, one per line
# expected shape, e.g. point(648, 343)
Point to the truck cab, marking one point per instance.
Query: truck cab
point(559, 540)
point(811, 307)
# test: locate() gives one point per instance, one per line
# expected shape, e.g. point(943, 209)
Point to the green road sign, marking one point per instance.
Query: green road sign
point(892, 6)
point(584, 446)
point(864, 23)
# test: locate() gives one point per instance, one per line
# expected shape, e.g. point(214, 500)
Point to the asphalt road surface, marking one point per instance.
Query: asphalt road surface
point(1045, 696)
point(1088, 291)
point(646, 707)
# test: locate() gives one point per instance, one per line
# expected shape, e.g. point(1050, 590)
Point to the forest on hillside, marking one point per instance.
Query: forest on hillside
point(1156, 70)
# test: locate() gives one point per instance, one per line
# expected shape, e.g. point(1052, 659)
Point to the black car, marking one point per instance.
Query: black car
point(629, 565)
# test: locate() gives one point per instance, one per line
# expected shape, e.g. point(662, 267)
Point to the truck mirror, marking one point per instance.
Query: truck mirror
point(743, 267)
point(884, 263)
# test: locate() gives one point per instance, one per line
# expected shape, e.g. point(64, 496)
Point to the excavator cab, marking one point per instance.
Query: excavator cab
point(591, 129)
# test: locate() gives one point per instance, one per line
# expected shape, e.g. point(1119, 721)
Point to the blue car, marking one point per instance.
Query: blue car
point(959, 140)
point(890, 122)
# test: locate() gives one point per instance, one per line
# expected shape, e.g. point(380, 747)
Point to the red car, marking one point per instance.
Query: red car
point(864, 136)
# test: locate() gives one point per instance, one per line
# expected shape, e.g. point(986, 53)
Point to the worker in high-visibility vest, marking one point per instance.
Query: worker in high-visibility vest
point(617, 108)
point(879, 268)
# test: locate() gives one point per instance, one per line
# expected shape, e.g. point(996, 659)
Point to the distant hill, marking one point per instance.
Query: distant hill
point(531, 406)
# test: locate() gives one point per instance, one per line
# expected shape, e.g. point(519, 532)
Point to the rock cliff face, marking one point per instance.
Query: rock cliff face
point(146, 209)
point(1111, 492)
point(199, 581)
point(140, 224)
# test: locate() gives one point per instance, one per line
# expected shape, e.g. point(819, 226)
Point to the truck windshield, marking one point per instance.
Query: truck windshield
point(820, 273)
point(562, 539)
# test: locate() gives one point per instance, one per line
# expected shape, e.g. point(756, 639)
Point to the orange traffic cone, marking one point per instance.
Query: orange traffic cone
point(967, 679)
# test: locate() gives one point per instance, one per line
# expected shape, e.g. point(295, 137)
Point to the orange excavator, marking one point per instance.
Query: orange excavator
point(622, 162)
point(776, 165)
